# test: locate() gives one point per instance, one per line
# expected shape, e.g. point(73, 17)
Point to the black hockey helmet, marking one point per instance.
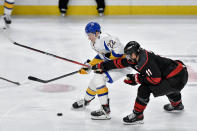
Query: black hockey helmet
point(132, 47)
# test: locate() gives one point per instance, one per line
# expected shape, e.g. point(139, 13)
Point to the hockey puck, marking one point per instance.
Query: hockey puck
point(59, 114)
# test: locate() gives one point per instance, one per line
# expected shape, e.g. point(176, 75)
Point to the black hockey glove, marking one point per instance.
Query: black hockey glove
point(133, 79)
point(98, 68)
point(107, 55)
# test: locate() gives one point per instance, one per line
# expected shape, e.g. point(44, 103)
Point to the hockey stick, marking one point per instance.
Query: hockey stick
point(16, 83)
point(47, 81)
point(46, 53)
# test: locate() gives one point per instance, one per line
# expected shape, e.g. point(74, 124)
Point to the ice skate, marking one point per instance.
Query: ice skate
point(169, 107)
point(7, 20)
point(133, 119)
point(101, 114)
point(101, 11)
point(80, 104)
point(63, 12)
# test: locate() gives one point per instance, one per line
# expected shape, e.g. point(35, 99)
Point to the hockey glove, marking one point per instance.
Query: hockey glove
point(98, 68)
point(133, 79)
point(85, 70)
point(107, 55)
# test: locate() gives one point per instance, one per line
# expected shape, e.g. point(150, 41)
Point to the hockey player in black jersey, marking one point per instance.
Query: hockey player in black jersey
point(157, 75)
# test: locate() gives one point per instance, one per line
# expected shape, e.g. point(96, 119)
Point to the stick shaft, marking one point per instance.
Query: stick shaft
point(57, 78)
point(49, 54)
point(16, 83)
point(50, 80)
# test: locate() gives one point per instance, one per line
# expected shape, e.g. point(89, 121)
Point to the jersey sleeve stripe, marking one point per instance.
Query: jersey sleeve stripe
point(115, 63)
point(119, 63)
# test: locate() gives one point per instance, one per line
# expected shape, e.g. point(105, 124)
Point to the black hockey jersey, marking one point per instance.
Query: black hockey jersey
point(152, 67)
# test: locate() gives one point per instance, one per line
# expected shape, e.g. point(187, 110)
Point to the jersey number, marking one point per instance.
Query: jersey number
point(111, 43)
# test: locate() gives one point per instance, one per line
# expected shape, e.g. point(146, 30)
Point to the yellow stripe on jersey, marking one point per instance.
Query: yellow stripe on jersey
point(90, 92)
point(102, 91)
point(8, 5)
point(95, 61)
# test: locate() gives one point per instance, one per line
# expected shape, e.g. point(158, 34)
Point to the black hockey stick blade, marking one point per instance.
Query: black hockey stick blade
point(47, 81)
point(36, 79)
point(16, 83)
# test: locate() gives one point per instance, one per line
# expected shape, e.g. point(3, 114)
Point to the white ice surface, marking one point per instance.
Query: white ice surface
point(33, 106)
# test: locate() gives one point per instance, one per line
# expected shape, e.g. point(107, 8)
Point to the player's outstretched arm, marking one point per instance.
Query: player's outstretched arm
point(112, 64)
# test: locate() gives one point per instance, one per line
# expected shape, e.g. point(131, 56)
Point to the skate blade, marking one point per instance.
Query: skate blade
point(134, 123)
point(100, 118)
point(175, 111)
